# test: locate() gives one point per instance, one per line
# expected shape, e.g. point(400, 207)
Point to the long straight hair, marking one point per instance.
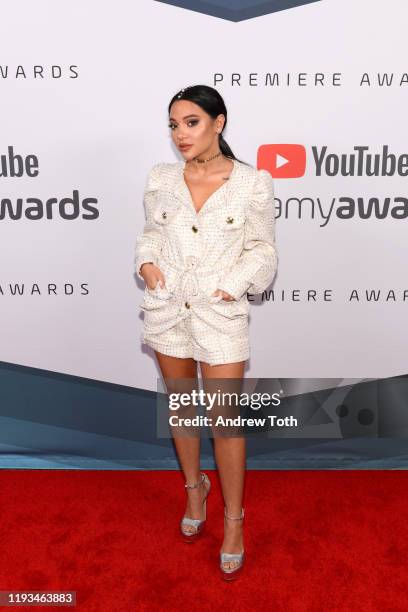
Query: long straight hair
point(211, 102)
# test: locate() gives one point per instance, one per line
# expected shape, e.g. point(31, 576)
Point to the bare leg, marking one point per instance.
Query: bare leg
point(230, 456)
point(188, 447)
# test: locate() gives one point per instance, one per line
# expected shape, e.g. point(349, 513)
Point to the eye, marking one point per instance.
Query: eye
point(190, 123)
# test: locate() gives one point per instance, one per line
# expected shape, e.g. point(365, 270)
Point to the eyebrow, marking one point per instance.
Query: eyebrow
point(186, 117)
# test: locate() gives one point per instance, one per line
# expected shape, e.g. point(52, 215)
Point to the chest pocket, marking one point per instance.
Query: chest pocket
point(233, 219)
point(166, 210)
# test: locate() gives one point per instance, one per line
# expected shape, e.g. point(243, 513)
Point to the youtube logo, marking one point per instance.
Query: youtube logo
point(282, 160)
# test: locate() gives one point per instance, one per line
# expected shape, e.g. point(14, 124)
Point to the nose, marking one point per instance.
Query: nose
point(180, 135)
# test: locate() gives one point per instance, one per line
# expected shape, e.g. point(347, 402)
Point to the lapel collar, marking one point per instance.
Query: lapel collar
point(181, 190)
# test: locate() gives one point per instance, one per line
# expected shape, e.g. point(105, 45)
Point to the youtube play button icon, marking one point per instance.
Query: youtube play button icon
point(282, 160)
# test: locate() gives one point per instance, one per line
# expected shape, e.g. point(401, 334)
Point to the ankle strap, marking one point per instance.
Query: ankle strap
point(233, 518)
point(196, 484)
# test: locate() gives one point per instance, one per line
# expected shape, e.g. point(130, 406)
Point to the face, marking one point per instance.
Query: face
point(193, 131)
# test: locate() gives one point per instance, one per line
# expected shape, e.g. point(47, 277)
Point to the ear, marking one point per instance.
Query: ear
point(219, 123)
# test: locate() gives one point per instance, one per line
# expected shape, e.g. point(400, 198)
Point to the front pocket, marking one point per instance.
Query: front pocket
point(233, 220)
point(168, 292)
point(159, 312)
point(155, 301)
point(164, 214)
point(160, 293)
point(230, 309)
point(214, 299)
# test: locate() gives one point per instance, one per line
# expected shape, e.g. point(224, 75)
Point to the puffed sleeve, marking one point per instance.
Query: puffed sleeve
point(148, 244)
point(257, 264)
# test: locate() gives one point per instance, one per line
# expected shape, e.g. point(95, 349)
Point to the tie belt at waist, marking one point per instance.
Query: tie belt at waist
point(188, 283)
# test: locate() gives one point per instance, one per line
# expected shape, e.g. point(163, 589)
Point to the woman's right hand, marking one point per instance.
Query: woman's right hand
point(152, 275)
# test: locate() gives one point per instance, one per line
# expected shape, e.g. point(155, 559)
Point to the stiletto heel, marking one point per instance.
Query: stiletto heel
point(198, 524)
point(232, 573)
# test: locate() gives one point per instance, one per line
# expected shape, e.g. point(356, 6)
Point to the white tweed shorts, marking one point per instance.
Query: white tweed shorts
point(209, 329)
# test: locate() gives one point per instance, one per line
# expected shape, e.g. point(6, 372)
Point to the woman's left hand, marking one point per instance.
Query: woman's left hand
point(225, 296)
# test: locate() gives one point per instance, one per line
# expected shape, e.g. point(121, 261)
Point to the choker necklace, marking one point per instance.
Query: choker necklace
point(202, 161)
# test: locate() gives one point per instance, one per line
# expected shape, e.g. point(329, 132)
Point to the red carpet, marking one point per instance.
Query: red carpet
point(315, 541)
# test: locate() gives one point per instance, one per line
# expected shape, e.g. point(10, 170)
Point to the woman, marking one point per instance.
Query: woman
point(207, 241)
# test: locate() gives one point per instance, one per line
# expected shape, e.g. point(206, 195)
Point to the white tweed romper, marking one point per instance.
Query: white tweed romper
point(229, 245)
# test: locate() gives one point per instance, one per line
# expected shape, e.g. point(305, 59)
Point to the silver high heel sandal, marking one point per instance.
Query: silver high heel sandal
point(198, 524)
point(232, 573)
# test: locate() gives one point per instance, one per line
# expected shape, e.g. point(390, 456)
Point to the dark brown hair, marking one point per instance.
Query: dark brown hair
point(210, 100)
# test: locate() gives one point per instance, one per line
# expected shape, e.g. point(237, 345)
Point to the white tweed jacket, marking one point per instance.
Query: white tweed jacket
point(229, 244)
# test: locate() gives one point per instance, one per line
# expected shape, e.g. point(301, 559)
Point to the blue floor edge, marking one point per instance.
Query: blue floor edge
point(65, 462)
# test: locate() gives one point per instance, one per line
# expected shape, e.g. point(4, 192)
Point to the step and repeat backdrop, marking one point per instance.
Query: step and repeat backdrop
point(316, 93)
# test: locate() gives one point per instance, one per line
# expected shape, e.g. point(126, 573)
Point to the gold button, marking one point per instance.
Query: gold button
point(230, 219)
point(164, 215)
point(187, 305)
point(195, 229)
